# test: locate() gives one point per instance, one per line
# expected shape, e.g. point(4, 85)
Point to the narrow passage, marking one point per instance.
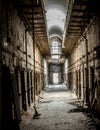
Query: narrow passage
point(56, 107)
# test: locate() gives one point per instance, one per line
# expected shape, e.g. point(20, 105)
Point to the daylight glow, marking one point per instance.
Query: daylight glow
point(55, 56)
point(55, 24)
point(55, 18)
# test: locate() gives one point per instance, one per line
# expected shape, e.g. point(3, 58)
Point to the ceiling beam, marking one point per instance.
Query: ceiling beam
point(80, 10)
point(34, 13)
point(36, 18)
point(79, 17)
point(29, 5)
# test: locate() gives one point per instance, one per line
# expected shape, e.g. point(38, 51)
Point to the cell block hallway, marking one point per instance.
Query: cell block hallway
point(49, 65)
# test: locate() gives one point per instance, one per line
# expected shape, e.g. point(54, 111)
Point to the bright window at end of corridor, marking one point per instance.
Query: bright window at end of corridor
point(55, 78)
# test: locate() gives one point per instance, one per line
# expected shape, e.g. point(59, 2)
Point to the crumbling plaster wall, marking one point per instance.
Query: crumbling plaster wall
point(16, 51)
point(82, 58)
point(13, 28)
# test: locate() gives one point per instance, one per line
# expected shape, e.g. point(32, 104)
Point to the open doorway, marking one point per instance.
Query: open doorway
point(55, 78)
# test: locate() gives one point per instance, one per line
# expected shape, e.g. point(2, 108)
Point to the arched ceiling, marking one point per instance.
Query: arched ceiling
point(55, 16)
point(56, 11)
point(55, 21)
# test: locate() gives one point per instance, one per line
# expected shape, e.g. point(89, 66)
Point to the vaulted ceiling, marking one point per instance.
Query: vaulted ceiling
point(63, 20)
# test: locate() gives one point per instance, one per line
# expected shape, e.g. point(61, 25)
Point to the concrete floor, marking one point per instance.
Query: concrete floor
point(57, 108)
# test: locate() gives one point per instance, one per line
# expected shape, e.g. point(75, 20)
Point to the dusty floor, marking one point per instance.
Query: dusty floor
point(57, 108)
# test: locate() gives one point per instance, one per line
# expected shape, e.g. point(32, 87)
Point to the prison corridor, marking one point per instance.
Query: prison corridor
point(58, 109)
point(49, 65)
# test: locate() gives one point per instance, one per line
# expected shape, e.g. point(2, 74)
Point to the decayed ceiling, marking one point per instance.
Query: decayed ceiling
point(82, 12)
point(78, 16)
point(33, 14)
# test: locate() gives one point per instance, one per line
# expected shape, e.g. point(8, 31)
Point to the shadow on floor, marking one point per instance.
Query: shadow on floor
point(78, 109)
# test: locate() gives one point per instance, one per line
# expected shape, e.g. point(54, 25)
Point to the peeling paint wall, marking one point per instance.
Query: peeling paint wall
point(86, 85)
point(17, 56)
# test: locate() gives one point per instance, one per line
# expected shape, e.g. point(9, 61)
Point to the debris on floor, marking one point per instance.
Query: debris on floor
point(57, 111)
